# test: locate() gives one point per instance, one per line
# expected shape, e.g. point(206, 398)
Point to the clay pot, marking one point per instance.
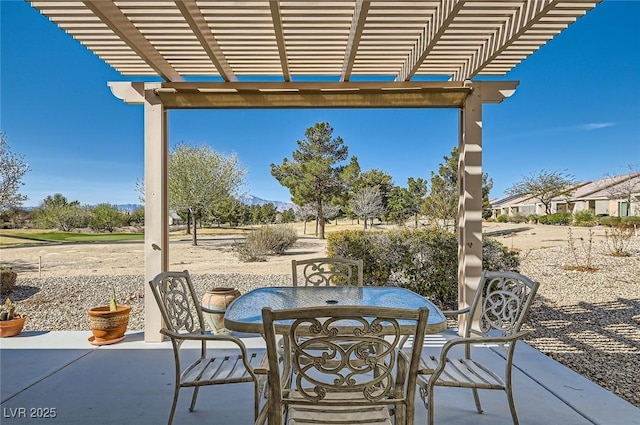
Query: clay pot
point(218, 299)
point(12, 327)
point(108, 325)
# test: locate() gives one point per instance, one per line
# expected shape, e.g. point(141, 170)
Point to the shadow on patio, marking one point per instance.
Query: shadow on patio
point(132, 382)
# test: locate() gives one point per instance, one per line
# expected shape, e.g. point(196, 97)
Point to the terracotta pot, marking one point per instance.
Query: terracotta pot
point(218, 299)
point(108, 325)
point(12, 327)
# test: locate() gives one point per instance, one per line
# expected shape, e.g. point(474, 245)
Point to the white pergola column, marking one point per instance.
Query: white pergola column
point(470, 199)
point(156, 205)
point(156, 213)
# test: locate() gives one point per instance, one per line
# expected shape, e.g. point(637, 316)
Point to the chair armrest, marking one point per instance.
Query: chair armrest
point(435, 373)
point(203, 337)
point(480, 340)
point(208, 310)
point(450, 313)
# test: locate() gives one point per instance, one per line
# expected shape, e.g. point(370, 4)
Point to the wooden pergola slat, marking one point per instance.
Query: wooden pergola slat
point(344, 39)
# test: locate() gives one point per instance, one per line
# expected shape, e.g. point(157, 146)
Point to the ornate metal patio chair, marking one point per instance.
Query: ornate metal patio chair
point(327, 272)
point(502, 303)
point(182, 315)
point(337, 378)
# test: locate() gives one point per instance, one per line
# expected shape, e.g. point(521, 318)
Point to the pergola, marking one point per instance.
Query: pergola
point(327, 54)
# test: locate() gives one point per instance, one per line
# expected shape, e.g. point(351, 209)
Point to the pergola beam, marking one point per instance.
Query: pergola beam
point(429, 38)
point(200, 28)
point(312, 95)
point(113, 17)
point(276, 17)
point(355, 34)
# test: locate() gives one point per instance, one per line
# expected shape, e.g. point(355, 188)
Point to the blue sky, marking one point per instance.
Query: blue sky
point(576, 109)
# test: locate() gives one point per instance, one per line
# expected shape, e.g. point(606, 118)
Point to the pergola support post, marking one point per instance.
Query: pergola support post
point(470, 200)
point(156, 225)
point(156, 194)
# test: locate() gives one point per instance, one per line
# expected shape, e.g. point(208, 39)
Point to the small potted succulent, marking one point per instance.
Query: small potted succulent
point(11, 323)
point(109, 322)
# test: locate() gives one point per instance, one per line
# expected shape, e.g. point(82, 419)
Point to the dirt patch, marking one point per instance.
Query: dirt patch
point(214, 254)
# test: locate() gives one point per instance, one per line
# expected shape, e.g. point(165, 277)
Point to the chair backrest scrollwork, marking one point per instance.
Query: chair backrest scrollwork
point(177, 301)
point(344, 356)
point(504, 300)
point(327, 272)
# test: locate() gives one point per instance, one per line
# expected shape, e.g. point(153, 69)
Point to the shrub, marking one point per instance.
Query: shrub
point(266, 240)
point(423, 260)
point(250, 252)
point(610, 221)
point(618, 239)
point(518, 218)
point(497, 257)
point(630, 221)
point(7, 279)
point(533, 218)
point(586, 218)
point(502, 218)
point(559, 219)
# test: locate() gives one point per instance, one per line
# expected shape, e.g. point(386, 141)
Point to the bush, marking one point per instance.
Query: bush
point(533, 218)
point(610, 221)
point(7, 279)
point(497, 257)
point(423, 260)
point(559, 219)
point(518, 218)
point(586, 218)
point(630, 221)
point(502, 218)
point(266, 240)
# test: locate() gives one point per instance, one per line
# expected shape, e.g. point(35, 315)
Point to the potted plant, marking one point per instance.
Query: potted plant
point(109, 322)
point(11, 323)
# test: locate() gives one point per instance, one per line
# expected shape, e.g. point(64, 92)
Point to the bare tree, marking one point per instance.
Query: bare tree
point(304, 213)
point(544, 186)
point(367, 203)
point(12, 168)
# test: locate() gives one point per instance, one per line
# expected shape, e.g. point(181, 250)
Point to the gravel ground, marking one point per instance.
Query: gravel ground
point(588, 321)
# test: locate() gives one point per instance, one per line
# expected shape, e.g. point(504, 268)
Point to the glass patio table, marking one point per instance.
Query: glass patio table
point(244, 314)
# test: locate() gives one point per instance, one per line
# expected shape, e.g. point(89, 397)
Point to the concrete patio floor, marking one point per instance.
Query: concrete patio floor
point(61, 374)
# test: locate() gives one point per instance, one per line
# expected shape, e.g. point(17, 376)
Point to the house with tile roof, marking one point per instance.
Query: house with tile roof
point(617, 196)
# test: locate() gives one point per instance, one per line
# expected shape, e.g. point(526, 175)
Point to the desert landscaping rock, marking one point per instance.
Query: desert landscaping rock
point(588, 321)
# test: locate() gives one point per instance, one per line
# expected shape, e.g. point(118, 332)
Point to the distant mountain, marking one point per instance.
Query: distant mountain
point(254, 200)
point(128, 207)
point(247, 200)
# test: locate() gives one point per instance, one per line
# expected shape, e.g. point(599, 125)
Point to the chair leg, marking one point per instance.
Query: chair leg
point(256, 400)
point(176, 393)
point(476, 398)
point(512, 405)
point(431, 405)
point(194, 398)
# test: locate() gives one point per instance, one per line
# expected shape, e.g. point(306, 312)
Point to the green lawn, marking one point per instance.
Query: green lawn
point(74, 237)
